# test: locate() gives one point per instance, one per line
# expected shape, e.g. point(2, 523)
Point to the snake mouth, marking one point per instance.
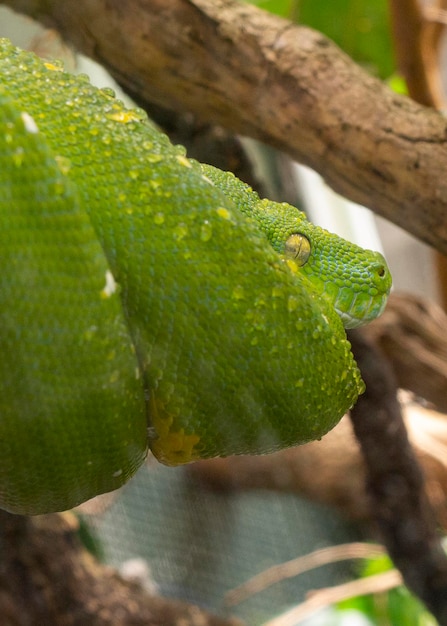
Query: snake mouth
point(357, 315)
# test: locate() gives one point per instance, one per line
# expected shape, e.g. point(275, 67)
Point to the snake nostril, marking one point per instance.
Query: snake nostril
point(381, 271)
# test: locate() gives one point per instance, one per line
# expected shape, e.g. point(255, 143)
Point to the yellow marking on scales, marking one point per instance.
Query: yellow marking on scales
point(224, 213)
point(125, 117)
point(54, 67)
point(183, 160)
point(172, 447)
point(293, 267)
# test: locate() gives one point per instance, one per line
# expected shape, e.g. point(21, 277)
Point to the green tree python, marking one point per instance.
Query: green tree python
point(148, 301)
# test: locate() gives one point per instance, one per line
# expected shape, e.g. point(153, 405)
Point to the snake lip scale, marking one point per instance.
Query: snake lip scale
point(375, 309)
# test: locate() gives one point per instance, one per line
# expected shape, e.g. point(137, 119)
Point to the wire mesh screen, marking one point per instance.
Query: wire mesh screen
point(200, 544)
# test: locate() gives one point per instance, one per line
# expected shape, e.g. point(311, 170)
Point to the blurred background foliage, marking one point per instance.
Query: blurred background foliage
point(360, 28)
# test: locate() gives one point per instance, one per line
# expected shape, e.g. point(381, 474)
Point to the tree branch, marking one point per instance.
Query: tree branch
point(395, 482)
point(287, 85)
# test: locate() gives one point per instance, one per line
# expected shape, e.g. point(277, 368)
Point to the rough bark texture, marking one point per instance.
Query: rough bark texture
point(287, 85)
point(46, 577)
point(396, 484)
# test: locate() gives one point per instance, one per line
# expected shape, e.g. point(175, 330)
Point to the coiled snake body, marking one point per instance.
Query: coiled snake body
point(148, 300)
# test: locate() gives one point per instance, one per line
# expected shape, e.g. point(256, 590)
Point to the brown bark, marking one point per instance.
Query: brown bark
point(287, 85)
point(395, 482)
point(46, 577)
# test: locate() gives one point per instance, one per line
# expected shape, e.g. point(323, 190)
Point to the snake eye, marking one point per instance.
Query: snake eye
point(297, 247)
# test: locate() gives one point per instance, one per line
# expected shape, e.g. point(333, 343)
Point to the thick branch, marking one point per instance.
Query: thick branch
point(286, 85)
point(396, 484)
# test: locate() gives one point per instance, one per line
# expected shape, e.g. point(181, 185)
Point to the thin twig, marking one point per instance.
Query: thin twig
point(325, 597)
point(299, 565)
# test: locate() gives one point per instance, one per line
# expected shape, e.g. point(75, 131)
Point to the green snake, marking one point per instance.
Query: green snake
point(151, 302)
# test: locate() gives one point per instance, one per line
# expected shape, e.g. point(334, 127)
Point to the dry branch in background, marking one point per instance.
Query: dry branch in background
point(287, 85)
point(416, 41)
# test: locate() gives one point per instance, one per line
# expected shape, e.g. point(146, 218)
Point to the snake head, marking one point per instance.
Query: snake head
point(356, 281)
